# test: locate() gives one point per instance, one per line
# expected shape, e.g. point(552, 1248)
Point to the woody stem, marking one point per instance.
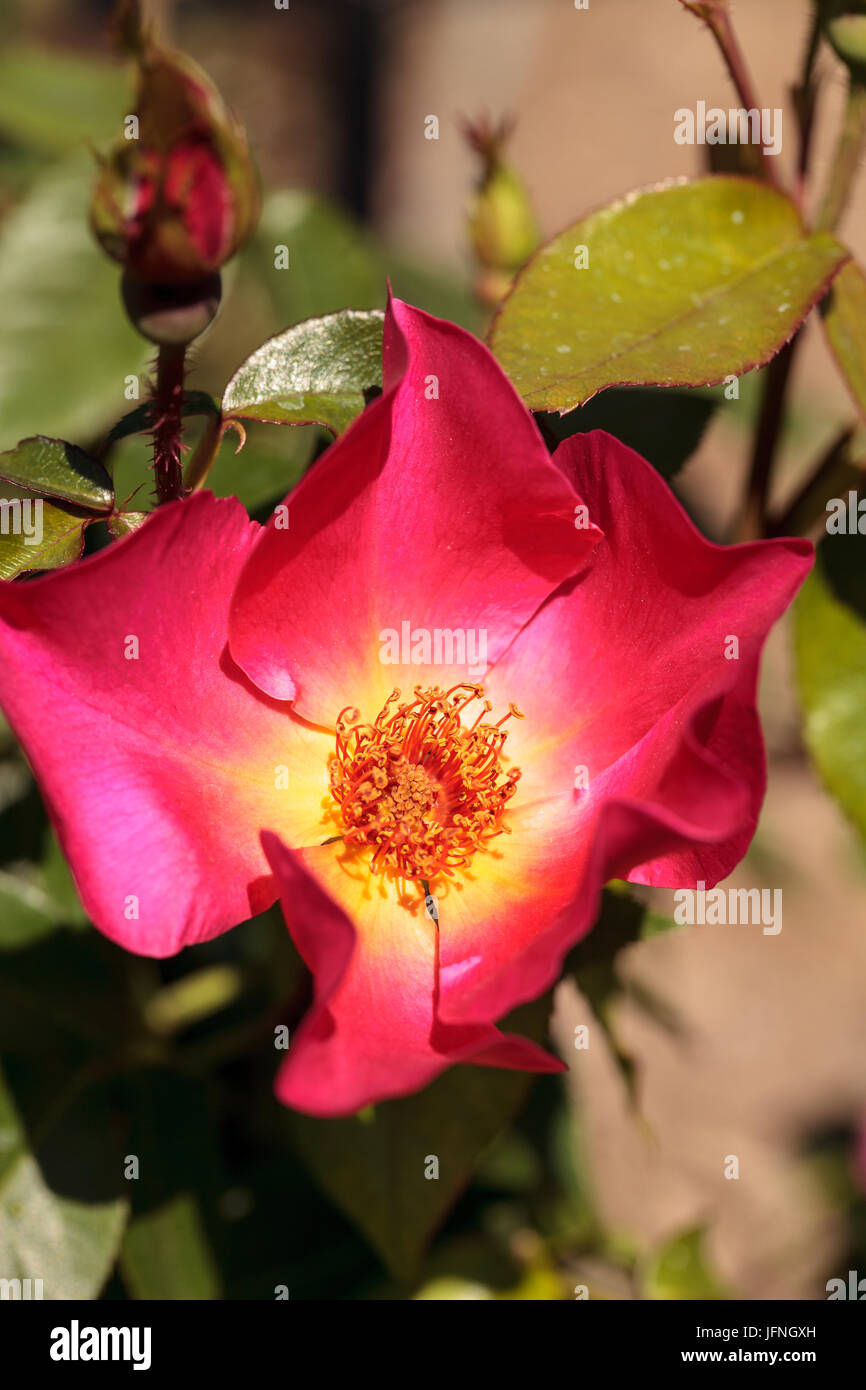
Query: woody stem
point(718, 21)
point(804, 94)
point(753, 521)
point(168, 423)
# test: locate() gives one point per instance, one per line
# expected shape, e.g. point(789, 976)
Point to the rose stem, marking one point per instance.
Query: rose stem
point(753, 519)
point(718, 21)
point(168, 422)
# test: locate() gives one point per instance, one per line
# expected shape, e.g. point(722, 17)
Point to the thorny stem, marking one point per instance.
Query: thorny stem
point(168, 423)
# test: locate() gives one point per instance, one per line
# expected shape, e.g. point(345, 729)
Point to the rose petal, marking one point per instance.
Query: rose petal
point(373, 1030)
point(440, 510)
point(158, 771)
point(622, 674)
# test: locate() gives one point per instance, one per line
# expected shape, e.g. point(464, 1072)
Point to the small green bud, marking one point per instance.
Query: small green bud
point(503, 231)
point(845, 28)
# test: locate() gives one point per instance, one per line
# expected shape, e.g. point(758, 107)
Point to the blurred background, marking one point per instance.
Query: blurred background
point(707, 1042)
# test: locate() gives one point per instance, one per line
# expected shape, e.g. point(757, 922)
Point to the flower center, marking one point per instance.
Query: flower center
point(423, 788)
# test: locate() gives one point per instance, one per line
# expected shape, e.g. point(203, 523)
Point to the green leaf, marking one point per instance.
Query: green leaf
point(685, 284)
point(66, 347)
point(372, 1165)
point(830, 642)
point(680, 1271)
point(165, 1253)
point(15, 779)
point(319, 372)
point(845, 324)
point(665, 427)
point(124, 523)
point(267, 467)
point(331, 265)
point(55, 102)
point(68, 1242)
point(621, 921)
point(59, 885)
point(27, 911)
point(64, 993)
point(36, 534)
point(56, 469)
point(594, 963)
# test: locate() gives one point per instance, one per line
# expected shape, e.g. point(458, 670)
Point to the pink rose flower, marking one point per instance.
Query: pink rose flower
point(208, 708)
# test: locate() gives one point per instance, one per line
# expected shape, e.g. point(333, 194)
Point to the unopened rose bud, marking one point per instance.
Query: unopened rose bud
point(502, 227)
point(179, 198)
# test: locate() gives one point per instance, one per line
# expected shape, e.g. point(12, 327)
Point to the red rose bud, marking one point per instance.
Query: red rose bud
point(176, 201)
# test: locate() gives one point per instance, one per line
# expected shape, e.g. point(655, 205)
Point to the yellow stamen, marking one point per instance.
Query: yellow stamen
point(424, 791)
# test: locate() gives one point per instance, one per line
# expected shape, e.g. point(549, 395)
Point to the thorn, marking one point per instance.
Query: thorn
point(239, 430)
